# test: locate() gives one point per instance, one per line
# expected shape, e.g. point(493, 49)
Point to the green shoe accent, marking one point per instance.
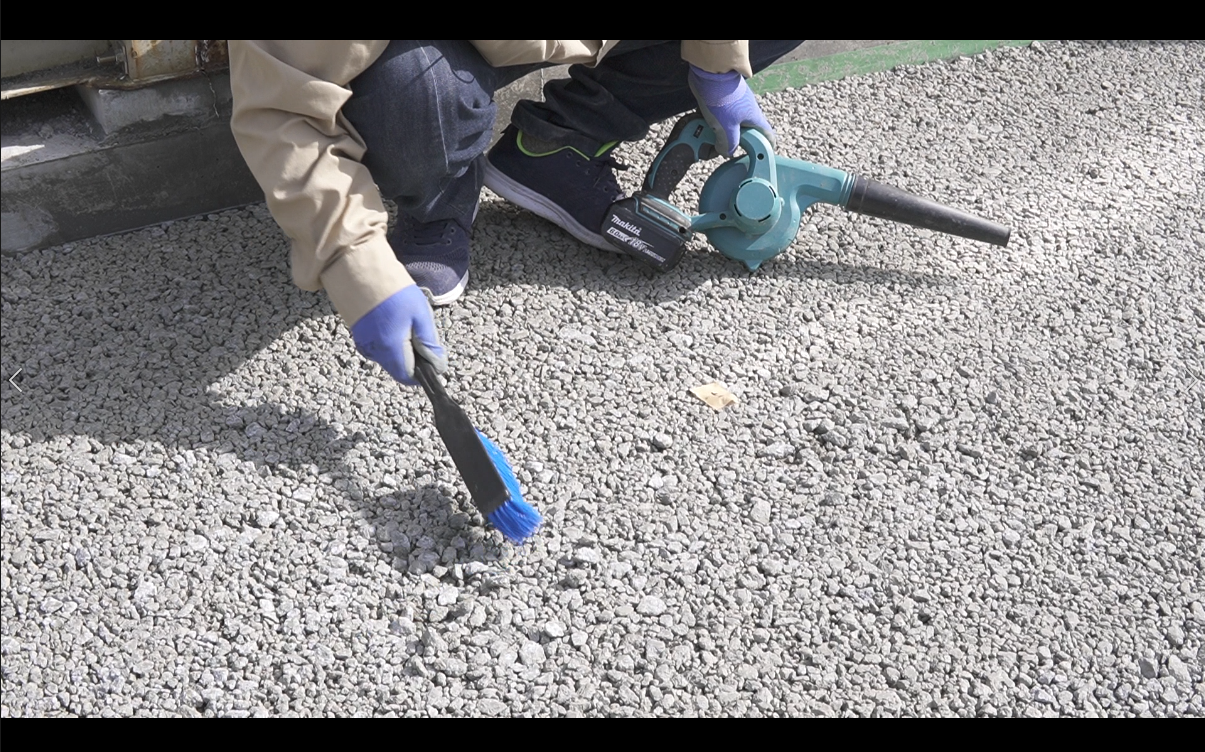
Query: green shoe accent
point(541, 148)
point(553, 148)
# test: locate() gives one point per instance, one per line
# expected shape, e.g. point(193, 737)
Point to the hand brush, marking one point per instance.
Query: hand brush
point(491, 482)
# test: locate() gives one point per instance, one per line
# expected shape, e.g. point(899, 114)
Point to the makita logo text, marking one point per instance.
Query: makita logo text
point(627, 226)
point(628, 240)
point(635, 244)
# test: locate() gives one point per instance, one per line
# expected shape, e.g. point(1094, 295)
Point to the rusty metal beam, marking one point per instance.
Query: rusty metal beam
point(130, 64)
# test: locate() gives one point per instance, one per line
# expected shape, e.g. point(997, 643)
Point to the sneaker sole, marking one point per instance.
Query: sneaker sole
point(449, 297)
point(521, 195)
point(453, 295)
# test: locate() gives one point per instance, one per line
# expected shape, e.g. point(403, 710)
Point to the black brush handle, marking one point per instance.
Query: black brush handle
point(485, 484)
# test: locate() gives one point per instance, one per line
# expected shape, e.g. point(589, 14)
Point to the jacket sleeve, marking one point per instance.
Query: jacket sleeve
point(307, 157)
point(718, 55)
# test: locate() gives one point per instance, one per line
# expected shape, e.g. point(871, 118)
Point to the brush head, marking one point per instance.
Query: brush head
point(516, 519)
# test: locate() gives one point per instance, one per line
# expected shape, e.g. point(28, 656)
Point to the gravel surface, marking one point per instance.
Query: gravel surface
point(960, 480)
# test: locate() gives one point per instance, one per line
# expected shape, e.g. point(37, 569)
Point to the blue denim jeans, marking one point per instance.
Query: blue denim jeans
point(426, 111)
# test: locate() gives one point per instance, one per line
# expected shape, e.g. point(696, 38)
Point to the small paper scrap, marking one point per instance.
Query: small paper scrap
point(715, 395)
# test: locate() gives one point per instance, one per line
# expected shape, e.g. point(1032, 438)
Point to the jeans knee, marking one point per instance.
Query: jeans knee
point(425, 111)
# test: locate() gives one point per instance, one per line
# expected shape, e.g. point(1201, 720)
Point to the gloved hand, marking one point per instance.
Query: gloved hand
point(390, 333)
point(726, 103)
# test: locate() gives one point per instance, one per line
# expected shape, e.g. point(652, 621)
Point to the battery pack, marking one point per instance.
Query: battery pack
point(649, 229)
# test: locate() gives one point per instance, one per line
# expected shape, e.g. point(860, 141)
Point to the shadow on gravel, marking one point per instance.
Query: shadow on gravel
point(130, 339)
point(420, 530)
point(513, 247)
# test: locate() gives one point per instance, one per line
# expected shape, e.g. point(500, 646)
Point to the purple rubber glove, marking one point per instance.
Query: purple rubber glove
point(727, 103)
point(390, 333)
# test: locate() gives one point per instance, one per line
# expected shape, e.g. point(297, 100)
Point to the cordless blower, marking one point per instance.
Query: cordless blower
point(751, 207)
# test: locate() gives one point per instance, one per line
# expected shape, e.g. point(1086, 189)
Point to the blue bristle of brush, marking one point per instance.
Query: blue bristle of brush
point(516, 519)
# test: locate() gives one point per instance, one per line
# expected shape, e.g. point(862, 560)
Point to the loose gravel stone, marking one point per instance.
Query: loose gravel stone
point(777, 451)
point(531, 654)
point(651, 605)
point(1178, 669)
point(1175, 636)
point(489, 707)
point(760, 513)
point(1148, 668)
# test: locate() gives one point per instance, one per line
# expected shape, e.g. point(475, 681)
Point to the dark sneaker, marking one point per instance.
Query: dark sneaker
point(436, 254)
point(560, 184)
